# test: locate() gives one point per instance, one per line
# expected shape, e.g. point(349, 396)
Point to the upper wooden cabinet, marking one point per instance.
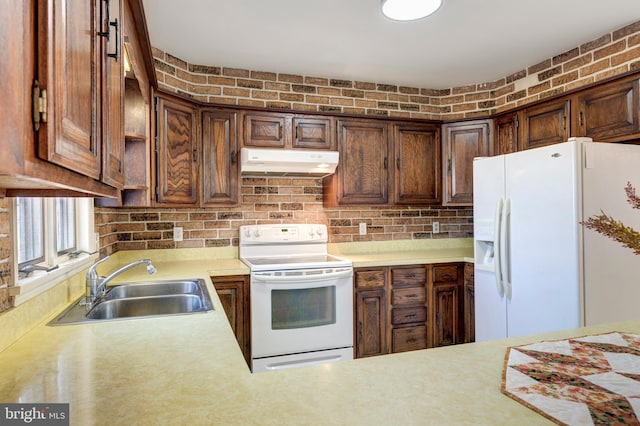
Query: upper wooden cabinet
point(177, 151)
point(66, 137)
point(545, 124)
point(609, 113)
point(461, 143)
point(281, 130)
point(197, 154)
point(417, 164)
point(505, 134)
point(385, 163)
point(362, 175)
point(219, 166)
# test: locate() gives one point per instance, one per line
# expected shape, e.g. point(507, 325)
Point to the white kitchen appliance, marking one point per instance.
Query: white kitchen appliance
point(288, 162)
point(537, 269)
point(301, 297)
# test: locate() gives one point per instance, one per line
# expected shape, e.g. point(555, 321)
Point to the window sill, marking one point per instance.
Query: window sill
point(42, 281)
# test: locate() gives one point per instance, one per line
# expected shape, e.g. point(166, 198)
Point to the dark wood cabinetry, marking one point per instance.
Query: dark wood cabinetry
point(446, 305)
point(461, 143)
point(233, 292)
point(67, 137)
point(469, 304)
point(408, 308)
point(384, 163)
point(177, 151)
point(417, 164)
point(197, 154)
point(608, 113)
point(219, 157)
point(281, 130)
point(404, 308)
point(370, 318)
point(362, 176)
point(506, 134)
point(545, 124)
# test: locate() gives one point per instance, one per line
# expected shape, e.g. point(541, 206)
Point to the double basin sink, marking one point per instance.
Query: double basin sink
point(140, 299)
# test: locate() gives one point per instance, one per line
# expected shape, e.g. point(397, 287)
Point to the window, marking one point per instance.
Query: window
point(51, 233)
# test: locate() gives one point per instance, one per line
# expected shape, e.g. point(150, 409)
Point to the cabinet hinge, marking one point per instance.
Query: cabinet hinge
point(39, 105)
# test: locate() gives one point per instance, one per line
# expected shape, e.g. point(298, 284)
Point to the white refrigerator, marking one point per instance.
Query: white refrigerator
point(537, 268)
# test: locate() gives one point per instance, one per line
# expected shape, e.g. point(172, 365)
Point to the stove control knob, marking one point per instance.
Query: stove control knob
point(320, 231)
point(256, 232)
point(247, 232)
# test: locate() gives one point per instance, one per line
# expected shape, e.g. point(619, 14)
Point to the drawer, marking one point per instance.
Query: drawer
point(400, 316)
point(408, 296)
point(408, 277)
point(370, 279)
point(445, 274)
point(409, 338)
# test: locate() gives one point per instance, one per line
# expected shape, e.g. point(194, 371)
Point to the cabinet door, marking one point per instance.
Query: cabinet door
point(219, 157)
point(417, 163)
point(506, 134)
point(446, 299)
point(266, 130)
point(371, 323)
point(609, 113)
point(364, 160)
point(545, 124)
point(177, 151)
point(462, 142)
point(233, 292)
point(112, 97)
point(69, 68)
point(316, 133)
point(469, 304)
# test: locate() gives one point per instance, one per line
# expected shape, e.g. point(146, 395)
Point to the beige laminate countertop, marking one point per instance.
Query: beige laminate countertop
point(189, 370)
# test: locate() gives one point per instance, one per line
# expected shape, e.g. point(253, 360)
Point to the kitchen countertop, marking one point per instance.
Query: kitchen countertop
point(189, 370)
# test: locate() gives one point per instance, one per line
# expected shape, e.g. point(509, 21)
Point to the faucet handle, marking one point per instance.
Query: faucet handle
point(91, 273)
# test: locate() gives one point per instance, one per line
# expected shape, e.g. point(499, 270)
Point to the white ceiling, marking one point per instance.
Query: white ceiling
point(464, 42)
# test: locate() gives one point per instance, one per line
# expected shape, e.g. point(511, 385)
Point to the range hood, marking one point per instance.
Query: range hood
point(287, 162)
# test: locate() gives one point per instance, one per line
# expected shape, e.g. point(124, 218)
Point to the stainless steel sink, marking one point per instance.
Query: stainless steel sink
point(146, 306)
point(140, 299)
point(152, 289)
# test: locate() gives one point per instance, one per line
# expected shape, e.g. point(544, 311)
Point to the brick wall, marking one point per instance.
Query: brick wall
point(273, 200)
point(612, 54)
point(6, 243)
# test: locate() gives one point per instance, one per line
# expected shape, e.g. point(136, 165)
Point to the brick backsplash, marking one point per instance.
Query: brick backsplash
point(273, 200)
point(608, 56)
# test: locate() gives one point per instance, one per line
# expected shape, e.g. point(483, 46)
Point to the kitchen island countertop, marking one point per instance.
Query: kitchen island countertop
point(189, 370)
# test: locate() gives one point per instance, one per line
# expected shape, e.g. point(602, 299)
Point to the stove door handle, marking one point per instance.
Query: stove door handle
point(305, 278)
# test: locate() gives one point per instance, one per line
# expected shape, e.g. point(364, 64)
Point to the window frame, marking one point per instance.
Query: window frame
point(86, 240)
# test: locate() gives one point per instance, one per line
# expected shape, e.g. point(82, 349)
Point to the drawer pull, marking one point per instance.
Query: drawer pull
point(412, 295)
point(412, 340)
point(410, 316)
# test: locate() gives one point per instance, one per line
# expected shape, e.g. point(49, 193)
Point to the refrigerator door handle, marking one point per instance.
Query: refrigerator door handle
point(504, 247)
point(497, 261)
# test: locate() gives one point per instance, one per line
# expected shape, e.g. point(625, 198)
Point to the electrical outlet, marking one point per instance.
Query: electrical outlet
point(177, 233)
point(363, 228)
point(436, 227)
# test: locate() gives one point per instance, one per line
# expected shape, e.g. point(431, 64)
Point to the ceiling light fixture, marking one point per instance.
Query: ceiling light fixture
point(409, 10)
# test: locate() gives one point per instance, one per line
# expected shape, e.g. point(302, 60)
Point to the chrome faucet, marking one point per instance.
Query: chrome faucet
point(97, 285)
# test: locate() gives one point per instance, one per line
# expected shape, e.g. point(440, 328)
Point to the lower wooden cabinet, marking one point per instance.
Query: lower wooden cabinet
point(370, 316)
point(405, 308)
point(446, 304)
point(408, 308)
point(469, 304)
point(233, 292)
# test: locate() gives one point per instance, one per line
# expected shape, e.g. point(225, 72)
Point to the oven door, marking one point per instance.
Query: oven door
point(302, 310)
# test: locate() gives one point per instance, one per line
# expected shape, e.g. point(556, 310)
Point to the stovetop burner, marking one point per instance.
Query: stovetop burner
point(279, 247)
